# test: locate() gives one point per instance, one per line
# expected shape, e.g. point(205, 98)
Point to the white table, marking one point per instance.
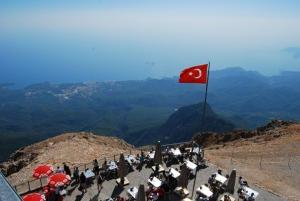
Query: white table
point(89, 174)
point(220, 178)
point(130, 159)
point(248, 191)
point(125, 182)
point(176, 152)
point(174, 173)
point(190, 165)
point(151, 154)
point(196, 150)
point(231, 198)
point(182, 192)
point(112, 165)
point(161, 168)
point(204, 190)
point(187, 199)
point(132, 192)
point(155, 182)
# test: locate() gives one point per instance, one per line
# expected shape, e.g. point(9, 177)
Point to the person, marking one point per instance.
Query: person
point(82, 186)
point(76, 174)
point(95, 162)
point(160, 192)
point(149, 189)
point(59, 170)
point(211, 179)
point(96, 169)
point(143, 154)
point(118, 198)
point(47, 192)
point(156, 172)
point(67, 170)
point(251, 198)
point(243, 182)
point(142, 161)
point(58, 197)
point(227, 198)
point(99, 182)
point(165, 186)
point(104, 165)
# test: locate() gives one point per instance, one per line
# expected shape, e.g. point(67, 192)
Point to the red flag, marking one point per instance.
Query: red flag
point(195, 74)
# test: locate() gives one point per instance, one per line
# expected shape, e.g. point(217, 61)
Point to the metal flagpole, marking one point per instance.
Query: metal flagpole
point(203, 124)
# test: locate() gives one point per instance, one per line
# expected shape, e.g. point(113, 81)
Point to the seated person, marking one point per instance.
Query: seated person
point(160, 192)
point(251, 198)
point(212, 179)
point(59, 170)
point(165, 186)
point(240, 193)
point(118, 198)
point(243, 182)
point(227, 198)
point(149, 190)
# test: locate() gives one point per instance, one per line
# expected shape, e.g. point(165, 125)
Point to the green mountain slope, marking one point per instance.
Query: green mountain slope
point(182, 125)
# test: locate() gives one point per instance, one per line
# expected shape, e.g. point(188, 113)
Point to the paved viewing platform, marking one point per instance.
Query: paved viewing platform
point(137, 177)
point(110, 188)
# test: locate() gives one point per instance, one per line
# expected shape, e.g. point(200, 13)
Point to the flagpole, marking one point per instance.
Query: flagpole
point(205, 99)
point(203, 124)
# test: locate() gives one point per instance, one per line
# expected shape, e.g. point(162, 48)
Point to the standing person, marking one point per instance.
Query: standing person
point(67, 170)
point(95, 163)
point(99, 182)
point(156, 170)
point(82, 179)
point(76, 174)
point(96, 169)
point(104, 165)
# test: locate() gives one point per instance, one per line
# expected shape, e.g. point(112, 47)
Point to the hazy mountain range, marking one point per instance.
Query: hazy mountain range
point(245, 98)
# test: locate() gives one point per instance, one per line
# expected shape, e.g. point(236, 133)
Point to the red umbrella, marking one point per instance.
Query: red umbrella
point(34, 197)
point(58, 179)
point(42, 171)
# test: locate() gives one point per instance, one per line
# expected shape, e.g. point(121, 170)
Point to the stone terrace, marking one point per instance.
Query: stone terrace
point(136, 178)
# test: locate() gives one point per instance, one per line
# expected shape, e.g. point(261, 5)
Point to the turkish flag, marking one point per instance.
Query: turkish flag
point(195, 74)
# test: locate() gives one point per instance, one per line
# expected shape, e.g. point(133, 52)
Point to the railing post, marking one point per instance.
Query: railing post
point(84, 167)
point(114, 157)
point(260, 166)
point(28, 186)
point(130, 152)
point(41, 183)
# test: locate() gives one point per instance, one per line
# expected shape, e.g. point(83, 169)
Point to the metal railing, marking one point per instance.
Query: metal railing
point(37, 184)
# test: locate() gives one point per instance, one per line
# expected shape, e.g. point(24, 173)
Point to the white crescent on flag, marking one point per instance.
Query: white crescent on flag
point(194, 74)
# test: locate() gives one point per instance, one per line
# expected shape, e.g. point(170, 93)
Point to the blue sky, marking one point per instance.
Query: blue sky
point(70, 41)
